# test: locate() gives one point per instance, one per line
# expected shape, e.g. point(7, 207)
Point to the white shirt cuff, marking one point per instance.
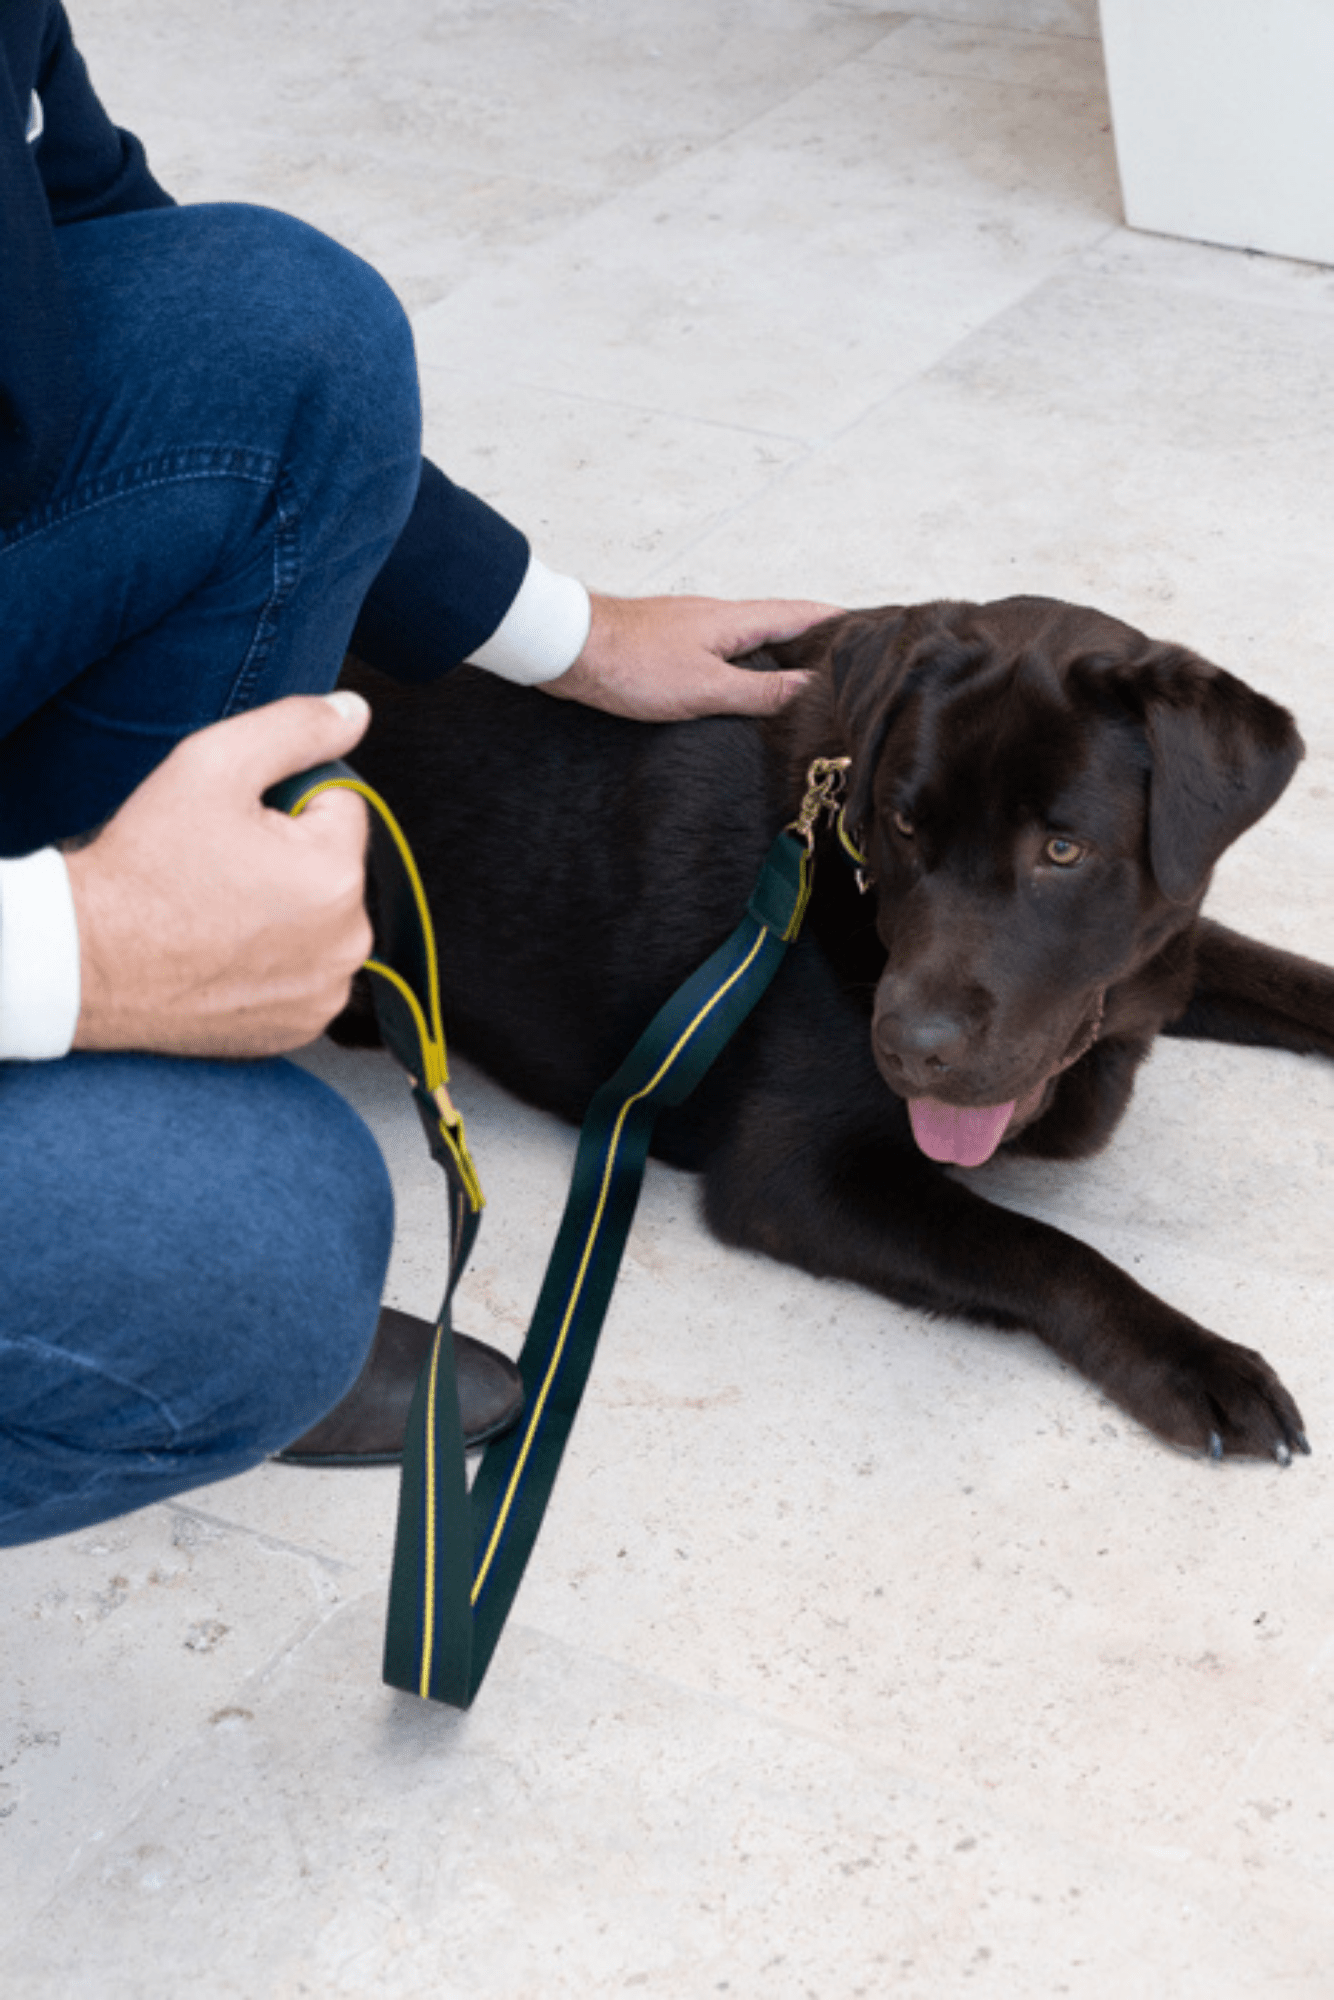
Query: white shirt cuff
point(543, 632)
point(39, 958)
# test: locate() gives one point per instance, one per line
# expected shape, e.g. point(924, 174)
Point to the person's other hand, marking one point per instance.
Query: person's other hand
point(209, 924)
point(661, 659)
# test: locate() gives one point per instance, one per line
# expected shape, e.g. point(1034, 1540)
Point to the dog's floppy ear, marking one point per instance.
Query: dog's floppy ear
point(1221, 754)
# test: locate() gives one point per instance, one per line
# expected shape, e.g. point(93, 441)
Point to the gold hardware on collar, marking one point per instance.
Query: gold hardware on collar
point(848, 844)
point(824, 782)
point(860, 865)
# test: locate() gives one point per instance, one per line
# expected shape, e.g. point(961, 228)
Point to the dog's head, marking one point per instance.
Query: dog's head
point(1041, 794)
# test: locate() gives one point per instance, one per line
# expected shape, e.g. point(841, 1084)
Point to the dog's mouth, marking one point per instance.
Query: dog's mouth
point(966, 1135)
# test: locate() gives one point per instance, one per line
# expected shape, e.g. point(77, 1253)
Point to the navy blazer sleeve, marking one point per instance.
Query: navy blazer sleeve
point(458, 565)
point(88, 166)
point(451, 577)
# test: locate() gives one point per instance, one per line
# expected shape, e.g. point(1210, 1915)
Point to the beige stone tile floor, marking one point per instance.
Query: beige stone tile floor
point(861, 1655)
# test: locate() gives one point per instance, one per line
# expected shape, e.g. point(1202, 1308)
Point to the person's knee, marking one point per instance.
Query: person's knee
point(288, 344)
point(341, 1225)
point(205, 1241)
point(344, 333)
point(301, 1253)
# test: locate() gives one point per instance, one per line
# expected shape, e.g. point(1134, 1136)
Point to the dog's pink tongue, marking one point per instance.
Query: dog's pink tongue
point(962, 1137)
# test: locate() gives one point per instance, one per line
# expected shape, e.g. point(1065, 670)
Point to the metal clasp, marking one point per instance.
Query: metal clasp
point(824, 783)
point(861, 867)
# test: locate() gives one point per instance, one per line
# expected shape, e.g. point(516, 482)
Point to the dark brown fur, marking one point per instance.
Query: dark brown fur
point(580, 867)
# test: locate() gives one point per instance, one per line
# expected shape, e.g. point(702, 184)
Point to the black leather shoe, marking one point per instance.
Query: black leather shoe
point(367, 1427)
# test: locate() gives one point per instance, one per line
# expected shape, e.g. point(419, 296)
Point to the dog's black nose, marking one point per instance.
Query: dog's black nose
point(923, 1042)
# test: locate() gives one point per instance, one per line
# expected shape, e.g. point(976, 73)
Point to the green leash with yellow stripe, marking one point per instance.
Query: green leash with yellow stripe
point(460, 1555)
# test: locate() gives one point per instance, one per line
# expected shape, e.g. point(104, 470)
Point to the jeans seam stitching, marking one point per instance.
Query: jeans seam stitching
point(286, 574)
point(191, 463)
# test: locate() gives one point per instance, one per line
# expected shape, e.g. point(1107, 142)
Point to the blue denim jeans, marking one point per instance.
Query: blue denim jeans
point(191, 1253)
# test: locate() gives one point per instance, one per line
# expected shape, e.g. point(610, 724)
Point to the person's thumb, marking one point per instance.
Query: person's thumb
point(748, 691)
point(248, 753)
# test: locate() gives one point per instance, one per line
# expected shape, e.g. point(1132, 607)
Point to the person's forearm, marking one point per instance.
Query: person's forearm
point(451, 577)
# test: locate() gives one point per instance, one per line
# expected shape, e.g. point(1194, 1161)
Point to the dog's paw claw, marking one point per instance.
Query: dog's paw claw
point(1302, 1442)
point(1224, 1401)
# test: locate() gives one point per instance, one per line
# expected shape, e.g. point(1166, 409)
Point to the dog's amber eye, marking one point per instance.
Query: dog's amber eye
point(1063, 853)
point(903, 825)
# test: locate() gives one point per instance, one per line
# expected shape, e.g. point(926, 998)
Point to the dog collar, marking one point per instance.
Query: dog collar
point(848, 844)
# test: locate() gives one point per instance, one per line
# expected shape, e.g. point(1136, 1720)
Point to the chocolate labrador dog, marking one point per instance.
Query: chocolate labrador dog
point(1038, 794)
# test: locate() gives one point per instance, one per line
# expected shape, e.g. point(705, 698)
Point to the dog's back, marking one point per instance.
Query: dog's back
point(579, 866)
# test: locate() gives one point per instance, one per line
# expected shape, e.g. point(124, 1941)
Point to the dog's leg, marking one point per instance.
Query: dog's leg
point(866, 1211)
point(1254, 993)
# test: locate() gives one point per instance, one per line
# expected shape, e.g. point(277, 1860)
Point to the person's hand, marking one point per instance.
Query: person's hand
point(210, 925)
point(661, 659)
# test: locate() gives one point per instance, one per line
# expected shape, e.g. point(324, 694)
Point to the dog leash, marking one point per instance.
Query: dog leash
point(459, 1555)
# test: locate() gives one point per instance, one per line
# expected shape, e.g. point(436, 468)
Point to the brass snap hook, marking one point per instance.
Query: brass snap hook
point(824, 783)
point(861, 866)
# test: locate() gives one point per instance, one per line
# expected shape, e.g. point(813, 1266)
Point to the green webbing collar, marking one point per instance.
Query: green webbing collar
point(459, 1556)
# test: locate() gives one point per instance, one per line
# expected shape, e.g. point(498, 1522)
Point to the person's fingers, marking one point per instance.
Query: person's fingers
point(766, 622)
point(702, 683)
point(340, 820)
point(732, 690)
point(247, 753)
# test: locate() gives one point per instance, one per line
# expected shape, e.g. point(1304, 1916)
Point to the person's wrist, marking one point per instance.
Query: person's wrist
point(104, 1017)
point(610, 622)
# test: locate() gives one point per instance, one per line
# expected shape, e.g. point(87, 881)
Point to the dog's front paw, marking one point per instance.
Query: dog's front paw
point(1212, 1396)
